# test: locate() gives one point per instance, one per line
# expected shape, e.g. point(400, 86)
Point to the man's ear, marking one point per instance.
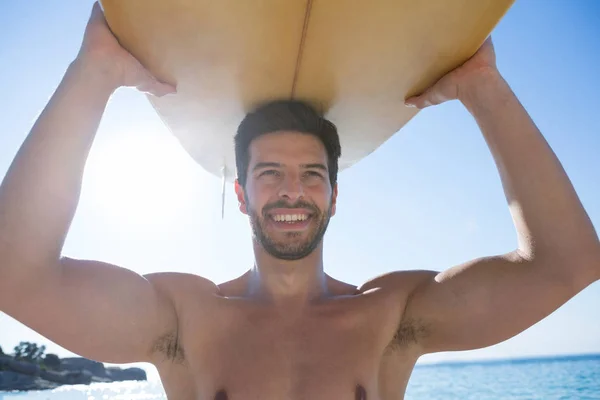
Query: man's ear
point(239, 191)
point(334, 199)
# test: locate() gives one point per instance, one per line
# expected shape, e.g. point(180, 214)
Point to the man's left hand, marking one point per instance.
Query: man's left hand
point(449, 87)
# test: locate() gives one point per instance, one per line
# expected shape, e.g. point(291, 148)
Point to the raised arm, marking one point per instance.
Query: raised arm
point(489, 300)
point(94, 309)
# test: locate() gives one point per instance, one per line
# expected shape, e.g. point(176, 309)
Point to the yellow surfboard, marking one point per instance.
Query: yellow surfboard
point(356, 60)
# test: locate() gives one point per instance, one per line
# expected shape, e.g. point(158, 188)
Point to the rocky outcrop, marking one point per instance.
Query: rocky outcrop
point(24, 376)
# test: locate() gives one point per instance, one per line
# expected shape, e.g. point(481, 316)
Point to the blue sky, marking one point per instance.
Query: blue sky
point(428, 198)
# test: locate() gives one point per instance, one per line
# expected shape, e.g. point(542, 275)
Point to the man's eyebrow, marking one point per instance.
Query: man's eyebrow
point(314, 166)
point(261, 165)
point(266, 165)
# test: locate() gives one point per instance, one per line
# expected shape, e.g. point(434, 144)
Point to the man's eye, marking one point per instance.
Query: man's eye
point(271, 172)
point(313, 174)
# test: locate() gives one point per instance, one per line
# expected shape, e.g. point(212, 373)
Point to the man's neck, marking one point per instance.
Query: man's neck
point(285, 282)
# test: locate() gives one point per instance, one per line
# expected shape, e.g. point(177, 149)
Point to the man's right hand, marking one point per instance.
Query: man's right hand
point(101, 49)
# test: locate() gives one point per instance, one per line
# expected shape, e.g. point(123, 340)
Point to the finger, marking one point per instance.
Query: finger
point(162, 89)
point(157, 89)
point(420, 102)
point(152, 85)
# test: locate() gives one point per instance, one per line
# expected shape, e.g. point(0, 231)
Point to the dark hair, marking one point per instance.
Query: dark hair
point(289, 115)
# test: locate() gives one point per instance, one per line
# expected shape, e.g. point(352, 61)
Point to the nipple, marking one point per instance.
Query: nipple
point(221, 395)
point(361, 393)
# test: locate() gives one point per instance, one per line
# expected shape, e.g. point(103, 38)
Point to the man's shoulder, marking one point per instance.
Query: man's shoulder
point(398, 281)
point(175, 284)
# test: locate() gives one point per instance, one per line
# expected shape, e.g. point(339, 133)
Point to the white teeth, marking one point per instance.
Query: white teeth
point(290, 217)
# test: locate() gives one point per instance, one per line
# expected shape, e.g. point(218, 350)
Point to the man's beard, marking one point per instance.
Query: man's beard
point(289, 250)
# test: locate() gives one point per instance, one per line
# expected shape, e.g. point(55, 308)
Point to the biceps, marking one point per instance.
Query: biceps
point(98, 310)
point(486, 301)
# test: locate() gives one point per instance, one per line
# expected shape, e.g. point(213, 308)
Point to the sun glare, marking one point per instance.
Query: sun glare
point(140, 180)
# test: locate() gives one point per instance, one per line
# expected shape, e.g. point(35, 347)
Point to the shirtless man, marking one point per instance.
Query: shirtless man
point(283, 330)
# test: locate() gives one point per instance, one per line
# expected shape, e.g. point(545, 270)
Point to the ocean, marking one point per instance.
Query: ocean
point(560, 378)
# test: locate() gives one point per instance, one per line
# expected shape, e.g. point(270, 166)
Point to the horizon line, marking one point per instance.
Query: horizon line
point(510, 360)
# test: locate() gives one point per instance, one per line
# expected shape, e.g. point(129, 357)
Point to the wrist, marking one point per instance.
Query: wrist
point(97, 72)
point(480, 86)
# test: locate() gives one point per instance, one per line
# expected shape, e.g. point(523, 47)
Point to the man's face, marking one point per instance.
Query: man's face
point(288, 194)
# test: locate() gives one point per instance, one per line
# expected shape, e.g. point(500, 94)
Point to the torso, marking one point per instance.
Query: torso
point(233, 348)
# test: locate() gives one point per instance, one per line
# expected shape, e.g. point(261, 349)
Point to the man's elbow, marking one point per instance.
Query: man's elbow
point(581, 267)
point(577, 266)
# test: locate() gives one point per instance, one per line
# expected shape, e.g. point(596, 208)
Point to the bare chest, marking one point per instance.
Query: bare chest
point(247, 353)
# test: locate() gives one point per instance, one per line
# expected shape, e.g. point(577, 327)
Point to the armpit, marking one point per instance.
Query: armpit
point(410, 331)
point(169, 346)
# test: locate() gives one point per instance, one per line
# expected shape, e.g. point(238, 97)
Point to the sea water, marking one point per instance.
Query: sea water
point(562, 378)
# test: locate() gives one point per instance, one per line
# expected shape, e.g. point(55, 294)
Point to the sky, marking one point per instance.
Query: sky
point(429, 198)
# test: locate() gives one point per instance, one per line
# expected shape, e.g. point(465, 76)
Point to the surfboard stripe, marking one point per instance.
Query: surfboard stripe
point(301, 46)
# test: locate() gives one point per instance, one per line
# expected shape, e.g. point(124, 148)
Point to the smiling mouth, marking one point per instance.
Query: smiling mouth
point(290, 218)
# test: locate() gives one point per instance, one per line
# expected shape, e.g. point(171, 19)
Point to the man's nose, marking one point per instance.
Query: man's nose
point(292, 188)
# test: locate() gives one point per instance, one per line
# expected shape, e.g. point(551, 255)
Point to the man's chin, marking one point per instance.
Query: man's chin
point(288, 244)
point(289, 248)
point(289, 255)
